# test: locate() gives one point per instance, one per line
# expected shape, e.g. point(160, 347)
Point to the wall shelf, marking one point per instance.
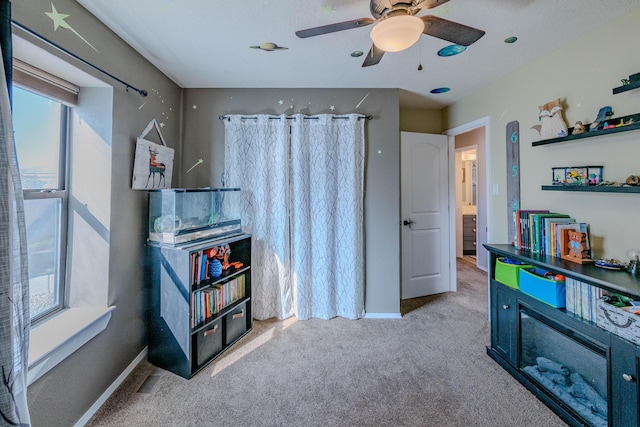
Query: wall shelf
point(635, 126)
point(592, 188)
point(624, 88)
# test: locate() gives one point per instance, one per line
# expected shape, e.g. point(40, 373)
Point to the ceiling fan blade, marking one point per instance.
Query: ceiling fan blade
point(373, 57)
point(428, 4)
point(332, 28)
point(450, 31)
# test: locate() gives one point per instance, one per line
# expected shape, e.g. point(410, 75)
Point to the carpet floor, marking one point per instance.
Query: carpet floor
point(429, 368)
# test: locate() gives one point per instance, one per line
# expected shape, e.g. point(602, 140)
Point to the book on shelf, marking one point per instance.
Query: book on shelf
point(544, 233)
point(582, 299)
point(550, 241)
point(536, 229)
point(207, 302)
point(522, 227)
point(204, 273)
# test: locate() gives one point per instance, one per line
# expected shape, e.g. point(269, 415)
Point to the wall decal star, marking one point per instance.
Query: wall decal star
point(361, 101)
point(326, 9)
point(59, 21)
point(281, 102)
point(194, 106)
point(162, 124)
point(332, 108)
point(200, 161)
point(442, 10)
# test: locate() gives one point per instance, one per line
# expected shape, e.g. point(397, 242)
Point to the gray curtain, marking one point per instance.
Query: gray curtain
point(14, 277)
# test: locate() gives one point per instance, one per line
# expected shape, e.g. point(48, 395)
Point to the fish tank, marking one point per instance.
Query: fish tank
point(181, 215)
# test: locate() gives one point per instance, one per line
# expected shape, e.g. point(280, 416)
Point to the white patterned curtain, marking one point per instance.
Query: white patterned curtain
point(306, 214)
point(257, 161)
point(14, 277)
point(327, 219)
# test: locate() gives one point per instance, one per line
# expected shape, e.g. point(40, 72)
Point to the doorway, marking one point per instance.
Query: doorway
point(471, 197)
point(466, 177)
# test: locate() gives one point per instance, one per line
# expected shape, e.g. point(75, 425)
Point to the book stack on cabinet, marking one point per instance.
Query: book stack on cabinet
point(540, 231)
point(200, 302)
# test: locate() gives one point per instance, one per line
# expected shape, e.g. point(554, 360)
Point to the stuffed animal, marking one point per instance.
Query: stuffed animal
point(553, 124)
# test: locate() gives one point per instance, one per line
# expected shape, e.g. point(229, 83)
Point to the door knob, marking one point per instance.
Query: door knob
point(408, 222)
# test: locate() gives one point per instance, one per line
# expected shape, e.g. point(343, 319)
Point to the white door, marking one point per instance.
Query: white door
point(425, 218)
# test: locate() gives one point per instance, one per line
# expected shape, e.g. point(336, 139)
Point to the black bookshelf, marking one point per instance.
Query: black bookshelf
point(188, 330)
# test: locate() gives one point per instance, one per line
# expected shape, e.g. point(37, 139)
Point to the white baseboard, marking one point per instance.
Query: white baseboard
point(108, 392)
point(383, 316)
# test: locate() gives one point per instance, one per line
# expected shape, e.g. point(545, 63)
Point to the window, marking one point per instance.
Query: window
point(41, 130)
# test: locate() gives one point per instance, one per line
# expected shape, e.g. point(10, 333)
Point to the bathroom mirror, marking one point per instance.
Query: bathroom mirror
point(469, 178)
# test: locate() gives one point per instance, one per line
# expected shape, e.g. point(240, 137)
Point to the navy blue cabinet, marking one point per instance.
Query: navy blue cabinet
point(199, 301)
point(587, 375)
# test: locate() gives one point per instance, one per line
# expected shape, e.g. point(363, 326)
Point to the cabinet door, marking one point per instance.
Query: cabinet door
point(504, 322)
point(625, 357)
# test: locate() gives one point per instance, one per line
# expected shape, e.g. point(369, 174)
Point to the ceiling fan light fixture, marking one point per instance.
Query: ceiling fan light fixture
point(397, 33)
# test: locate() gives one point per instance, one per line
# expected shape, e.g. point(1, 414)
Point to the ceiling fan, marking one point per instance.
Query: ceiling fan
point(396, 27)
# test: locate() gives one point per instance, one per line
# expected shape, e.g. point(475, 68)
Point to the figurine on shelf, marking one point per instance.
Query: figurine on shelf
point(578, 128)
point(603, 114)
point(575, 246)
point(633, 180)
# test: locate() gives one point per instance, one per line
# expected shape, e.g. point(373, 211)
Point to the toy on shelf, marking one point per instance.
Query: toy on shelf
point(578, 128)
point(577, 175)
point(575, 247)
point(633, 180)
point(553, 124)
point(603, 114)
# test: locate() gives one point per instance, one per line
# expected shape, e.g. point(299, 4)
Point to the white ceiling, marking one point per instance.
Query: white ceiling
point(207, 43)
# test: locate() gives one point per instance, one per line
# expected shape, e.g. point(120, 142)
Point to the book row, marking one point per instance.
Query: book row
point(209, 301)
point(540, 231)
point(582, 299)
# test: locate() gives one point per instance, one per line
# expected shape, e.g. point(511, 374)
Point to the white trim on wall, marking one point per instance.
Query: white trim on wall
point(383, 316)
point(112, 388)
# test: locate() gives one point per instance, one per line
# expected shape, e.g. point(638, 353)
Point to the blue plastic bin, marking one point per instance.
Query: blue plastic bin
point(552, 292)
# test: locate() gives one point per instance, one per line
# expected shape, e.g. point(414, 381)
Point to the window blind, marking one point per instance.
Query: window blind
point(46, 84)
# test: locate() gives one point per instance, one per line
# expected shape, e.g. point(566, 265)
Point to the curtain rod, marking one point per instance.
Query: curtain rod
point(293, 118)
point(142, 92)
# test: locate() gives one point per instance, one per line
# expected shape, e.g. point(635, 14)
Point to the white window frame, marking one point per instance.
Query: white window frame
point(61, 193)
point(59, 335)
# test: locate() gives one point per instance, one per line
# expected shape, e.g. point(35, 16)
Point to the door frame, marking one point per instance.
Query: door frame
point(482, 122)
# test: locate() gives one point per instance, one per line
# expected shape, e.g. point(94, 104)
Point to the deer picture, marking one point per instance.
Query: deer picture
point(155, 168)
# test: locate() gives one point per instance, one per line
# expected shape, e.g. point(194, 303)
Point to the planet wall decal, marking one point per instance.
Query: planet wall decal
point(269, 47)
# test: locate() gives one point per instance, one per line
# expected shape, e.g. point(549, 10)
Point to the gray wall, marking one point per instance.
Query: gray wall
point(203, 137)
point(65, 393)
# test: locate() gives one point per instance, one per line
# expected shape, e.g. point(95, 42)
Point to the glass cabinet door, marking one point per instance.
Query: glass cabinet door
point(570, 367)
